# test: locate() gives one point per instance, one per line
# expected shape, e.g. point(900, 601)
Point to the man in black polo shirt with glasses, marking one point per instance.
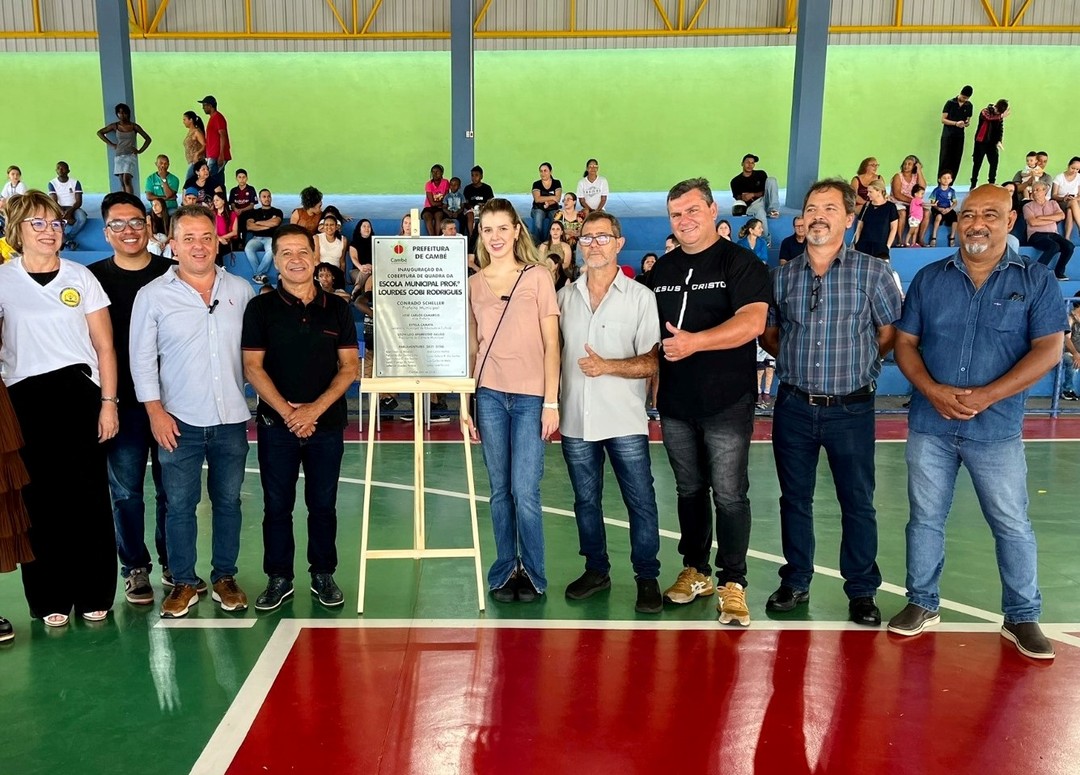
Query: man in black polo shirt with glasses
point(300, 355)
point(831, 325)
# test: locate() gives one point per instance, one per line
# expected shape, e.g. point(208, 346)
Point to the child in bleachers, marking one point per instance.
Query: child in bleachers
point(916, 213)
point(943, 206)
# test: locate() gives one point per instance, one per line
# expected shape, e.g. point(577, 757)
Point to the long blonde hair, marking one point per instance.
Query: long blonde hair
point(524, 249)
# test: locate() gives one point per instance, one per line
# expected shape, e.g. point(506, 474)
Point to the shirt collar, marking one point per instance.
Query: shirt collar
point(802, 261)
point(620, 282)
point(1010, 257)
point(173, 274)
point(293, 301)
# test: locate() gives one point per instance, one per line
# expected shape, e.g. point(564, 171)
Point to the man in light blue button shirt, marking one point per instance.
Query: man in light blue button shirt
point(978, 330)
point(187, 367)
point(610, 333)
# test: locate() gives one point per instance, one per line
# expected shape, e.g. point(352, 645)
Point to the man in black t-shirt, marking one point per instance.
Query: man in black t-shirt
point(476, 194)
point(955, 117)
point(300, 355)
point(713, 297)
point(756, 194)
point(257, 229)
point(122, 276)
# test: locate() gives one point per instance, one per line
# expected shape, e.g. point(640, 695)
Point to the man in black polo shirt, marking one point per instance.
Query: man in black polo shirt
point(713, 298)
point(955, 117)
point(300, 355)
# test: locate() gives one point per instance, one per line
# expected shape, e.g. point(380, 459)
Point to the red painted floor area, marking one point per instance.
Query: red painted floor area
point(658, 701)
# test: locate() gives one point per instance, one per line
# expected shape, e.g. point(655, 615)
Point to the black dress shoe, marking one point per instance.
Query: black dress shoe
point(864, 610)
point(7, 632)
point(786, 598)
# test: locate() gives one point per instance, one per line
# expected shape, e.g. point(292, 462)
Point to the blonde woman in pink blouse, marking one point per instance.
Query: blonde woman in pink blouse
point(514, 347)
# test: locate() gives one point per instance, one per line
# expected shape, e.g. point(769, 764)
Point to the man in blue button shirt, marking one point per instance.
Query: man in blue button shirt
point(978, 330)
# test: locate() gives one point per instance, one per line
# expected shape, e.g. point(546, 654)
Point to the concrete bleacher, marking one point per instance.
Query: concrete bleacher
point(645, 227)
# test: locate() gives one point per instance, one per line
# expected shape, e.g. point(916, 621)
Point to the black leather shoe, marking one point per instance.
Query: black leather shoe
point(912, 619)
point(278, 590)
point(326, 589)
point(863, 610)
point(649, 599)
point(7, 632)
point(588, 584)
point(1029, 639)
point(785, 599)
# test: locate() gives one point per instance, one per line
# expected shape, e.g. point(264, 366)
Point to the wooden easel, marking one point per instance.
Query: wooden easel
point(464, 387)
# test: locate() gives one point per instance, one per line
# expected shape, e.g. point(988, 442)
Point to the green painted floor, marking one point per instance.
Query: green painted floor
point(125, 695)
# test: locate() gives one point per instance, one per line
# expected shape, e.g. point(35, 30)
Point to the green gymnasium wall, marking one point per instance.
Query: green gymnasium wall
point(375, 123)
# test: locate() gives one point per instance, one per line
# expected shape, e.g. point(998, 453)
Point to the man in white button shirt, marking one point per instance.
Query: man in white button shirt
point(611, 332)
point(187, 368)
point(68, 193)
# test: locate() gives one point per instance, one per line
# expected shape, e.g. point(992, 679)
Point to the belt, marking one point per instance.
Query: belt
point(865, 393)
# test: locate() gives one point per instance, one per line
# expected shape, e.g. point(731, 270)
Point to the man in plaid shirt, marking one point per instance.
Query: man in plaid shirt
point(832, 324)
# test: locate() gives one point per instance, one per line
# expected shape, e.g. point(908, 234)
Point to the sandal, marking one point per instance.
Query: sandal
point(950, 242)
point(55, 620)
point(95, 616)
point(933, 242)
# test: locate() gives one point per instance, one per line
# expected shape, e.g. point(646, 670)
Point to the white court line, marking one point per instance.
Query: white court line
point(221, 749)
point(230, 733)
point(950, 605)
point(207, 624)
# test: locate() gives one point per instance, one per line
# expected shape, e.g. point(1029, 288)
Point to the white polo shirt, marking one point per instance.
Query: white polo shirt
point(45, 327)
point(625, 324)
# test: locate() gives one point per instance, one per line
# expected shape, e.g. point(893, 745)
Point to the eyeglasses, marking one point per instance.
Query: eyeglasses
point(39, 224)
point(117, 226)
point(599, 239)
point(815, 293)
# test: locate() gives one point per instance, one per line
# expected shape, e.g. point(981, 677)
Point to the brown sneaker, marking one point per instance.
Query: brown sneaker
point(228, 593)
point(690, 584)
point(732, 606)
point(179, 601)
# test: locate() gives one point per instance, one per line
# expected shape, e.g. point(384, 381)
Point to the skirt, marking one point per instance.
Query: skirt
point(14, 521)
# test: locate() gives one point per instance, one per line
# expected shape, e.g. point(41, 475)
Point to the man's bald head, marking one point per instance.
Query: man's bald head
point(986, 218)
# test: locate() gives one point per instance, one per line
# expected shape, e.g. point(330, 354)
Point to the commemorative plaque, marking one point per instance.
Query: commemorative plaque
point(421, 307)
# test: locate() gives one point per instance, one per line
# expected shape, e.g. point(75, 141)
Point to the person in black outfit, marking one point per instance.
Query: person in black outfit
point(988, 138)
point(122, 276)
point(955, 117)
point(300, 355)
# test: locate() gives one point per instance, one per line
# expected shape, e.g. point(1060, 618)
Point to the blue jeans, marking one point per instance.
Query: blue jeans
point(541, 223)
point(217, 172)
point(509, 425)
point(630, 462)
point(1068, 373)
point(127, 454)
point(713, 452)
point(281, 454)
point(224, 448)
point(254, 244)
point(999, 472)
point(846, 433)
point(72, 229)
point(760, 208)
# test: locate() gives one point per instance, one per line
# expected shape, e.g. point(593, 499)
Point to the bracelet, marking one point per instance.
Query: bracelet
point(553, 405)
point(111, 399)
